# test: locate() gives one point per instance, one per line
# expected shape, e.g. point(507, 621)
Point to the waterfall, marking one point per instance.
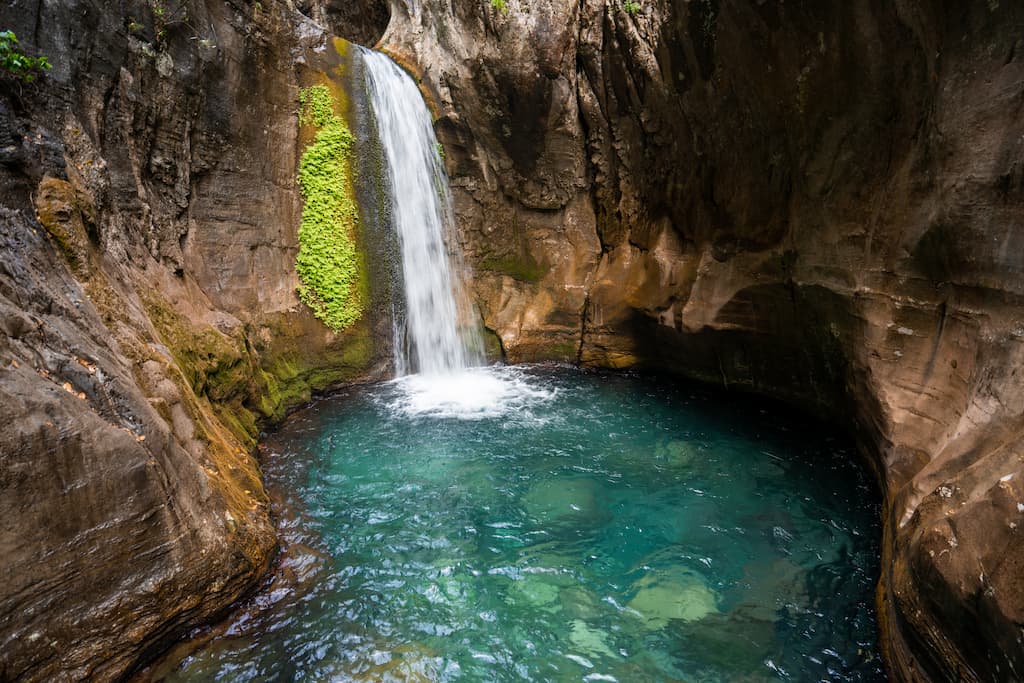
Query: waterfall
point(428, 340)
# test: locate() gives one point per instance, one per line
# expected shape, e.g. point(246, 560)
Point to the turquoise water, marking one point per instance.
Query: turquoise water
point(558, 525)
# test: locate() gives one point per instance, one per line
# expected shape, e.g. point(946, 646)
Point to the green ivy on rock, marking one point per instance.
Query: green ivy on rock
point(329, 263)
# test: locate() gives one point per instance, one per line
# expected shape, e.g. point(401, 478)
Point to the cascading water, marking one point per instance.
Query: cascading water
point(433, 343)
point(436, 359)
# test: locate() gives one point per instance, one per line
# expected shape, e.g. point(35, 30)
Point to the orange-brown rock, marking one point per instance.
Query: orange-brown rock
point(819, 202)
point(149, 321)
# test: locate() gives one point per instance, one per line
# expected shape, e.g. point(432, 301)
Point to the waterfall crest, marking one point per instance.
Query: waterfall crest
point(429, 339)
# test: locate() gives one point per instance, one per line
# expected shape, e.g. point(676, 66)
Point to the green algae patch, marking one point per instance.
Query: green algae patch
point(58, 211)
point(522, 268)
point(214, 367)
point(329, 263)
point(291, 369)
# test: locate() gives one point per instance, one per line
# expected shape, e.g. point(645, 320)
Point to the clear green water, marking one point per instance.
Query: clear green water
point(559, 526)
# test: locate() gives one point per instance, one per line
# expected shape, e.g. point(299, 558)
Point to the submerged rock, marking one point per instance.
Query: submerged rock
point(589, 640)
point(736, 641)
point(664, 596)
point(579, 502)
point(580, 603)
point(413, 663)
point(676, 453)
point(536, 591)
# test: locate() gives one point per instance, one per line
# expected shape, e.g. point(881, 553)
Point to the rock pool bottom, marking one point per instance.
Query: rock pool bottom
point(549, 524)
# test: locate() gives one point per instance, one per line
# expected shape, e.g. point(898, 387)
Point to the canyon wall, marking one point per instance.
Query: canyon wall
point(149, 321)
point(819, 202)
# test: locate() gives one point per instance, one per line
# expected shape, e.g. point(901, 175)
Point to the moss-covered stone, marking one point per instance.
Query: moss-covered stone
point(216, 366)
point(567, 351)
point(329, 264)
point(291, 372)
point(522, 268)
point(58, 212)
point(493, 350)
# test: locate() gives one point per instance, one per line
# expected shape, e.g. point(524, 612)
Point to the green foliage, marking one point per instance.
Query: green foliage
point(500, 5)
point(14, 62)
point(328, 263)
point(316, 106)
point(631, 6)
point(440, 151)
point(524, 269)
point(165, 16)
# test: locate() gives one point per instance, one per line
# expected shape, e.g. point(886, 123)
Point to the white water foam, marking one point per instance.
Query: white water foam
point(473, 394)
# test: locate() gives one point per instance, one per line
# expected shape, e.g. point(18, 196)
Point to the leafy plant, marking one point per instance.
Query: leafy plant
point(316, 106)
point(165, 16)
point(329, 264)
point(20, 65)
point(500, 5)
point(631, 6)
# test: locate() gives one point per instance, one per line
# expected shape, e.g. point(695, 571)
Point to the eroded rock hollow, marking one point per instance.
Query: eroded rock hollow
point(821, 202)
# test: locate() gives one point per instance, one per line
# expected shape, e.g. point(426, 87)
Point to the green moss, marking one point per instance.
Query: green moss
point(341, 48)
point(214, 365)
point(523, 269)
point(493, 350)
point(290, 372)
point(239, 421)
point(329, 263)
point(564, 350)
point(286, 387)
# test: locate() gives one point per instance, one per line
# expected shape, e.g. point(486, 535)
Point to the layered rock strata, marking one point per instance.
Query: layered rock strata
point(149, 321)
point(819, 203)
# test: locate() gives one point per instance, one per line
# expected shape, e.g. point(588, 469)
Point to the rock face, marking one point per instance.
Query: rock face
point(148, 319)
point(129, 513)
point(820, 203)
point(362, 22)
point(817, 201)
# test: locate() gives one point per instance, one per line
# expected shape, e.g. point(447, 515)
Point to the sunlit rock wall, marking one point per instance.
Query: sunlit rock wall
point(149, 322)
point(821, 202)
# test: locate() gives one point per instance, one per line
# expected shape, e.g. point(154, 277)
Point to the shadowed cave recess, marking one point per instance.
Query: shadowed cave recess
point(821, 203)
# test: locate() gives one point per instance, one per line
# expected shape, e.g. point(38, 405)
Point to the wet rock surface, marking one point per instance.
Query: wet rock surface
point(361, 22)
point(149, 321)
point(824, 204)
point(820, 203)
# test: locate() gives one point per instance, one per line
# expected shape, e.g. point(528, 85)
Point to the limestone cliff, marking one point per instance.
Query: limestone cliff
point(149, 320)
point(817, 201)
point(821, 202)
